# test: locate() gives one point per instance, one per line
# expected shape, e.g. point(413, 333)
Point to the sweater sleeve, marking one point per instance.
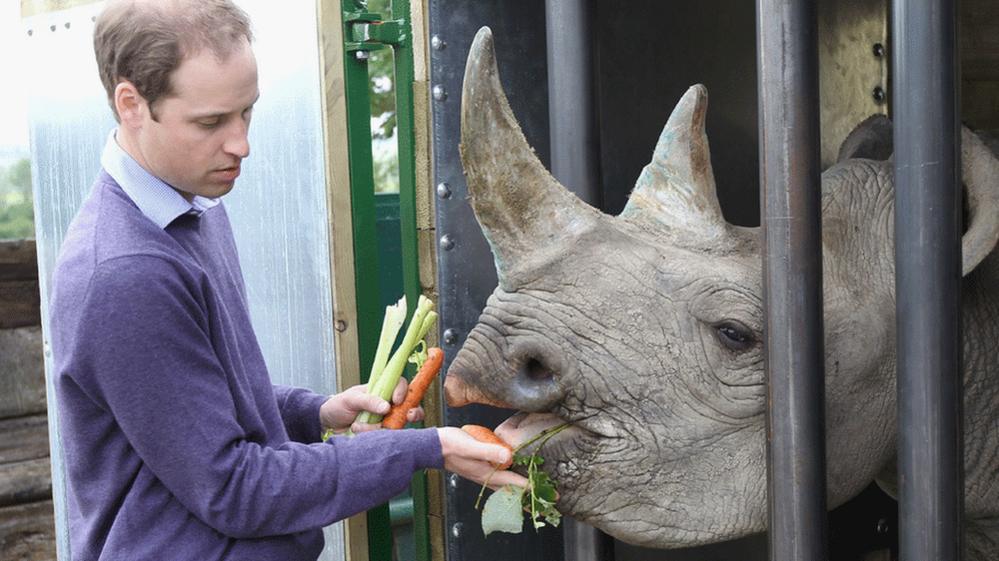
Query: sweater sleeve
point(144, 354)
point(300, 412)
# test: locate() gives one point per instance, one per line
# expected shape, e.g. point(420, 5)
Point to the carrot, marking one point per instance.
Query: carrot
point(484, 434)
point(396, 417)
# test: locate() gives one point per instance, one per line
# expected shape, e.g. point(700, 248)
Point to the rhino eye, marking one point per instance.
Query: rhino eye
point(734, 335)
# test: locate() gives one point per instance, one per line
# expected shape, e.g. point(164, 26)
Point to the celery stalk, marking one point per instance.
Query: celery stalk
point(395, 316)
point(390, 375)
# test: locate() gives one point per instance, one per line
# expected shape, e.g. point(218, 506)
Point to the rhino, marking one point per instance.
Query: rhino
point(643, 330)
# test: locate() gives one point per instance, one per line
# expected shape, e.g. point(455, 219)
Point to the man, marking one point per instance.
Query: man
point(177, 445)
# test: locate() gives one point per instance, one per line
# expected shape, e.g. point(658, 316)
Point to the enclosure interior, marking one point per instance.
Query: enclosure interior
point(645, 54)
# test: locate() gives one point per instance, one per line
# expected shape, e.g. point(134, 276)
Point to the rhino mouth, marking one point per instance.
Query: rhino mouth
point(526, 430)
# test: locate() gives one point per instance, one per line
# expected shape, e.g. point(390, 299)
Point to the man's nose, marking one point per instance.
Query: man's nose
point(237, 143)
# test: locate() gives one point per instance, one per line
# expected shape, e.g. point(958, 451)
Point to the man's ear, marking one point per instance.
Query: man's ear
point(129, 104)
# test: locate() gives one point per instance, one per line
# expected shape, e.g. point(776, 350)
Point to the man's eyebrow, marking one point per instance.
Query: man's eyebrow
point(220, 114)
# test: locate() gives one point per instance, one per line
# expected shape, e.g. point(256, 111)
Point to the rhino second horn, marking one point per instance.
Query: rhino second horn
point(519, 205)
point(677, 188)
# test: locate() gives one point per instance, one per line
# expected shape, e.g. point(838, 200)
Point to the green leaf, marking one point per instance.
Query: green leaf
point(503, 511)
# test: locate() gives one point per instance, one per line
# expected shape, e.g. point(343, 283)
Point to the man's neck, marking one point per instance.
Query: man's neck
point(128, 144)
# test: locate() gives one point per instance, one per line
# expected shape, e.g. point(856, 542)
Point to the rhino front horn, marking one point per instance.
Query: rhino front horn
point(518, 204)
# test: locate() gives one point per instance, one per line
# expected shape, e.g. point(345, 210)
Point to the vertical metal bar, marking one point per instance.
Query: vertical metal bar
point(792, 272)
point(928, 279)
point(571, 113)
point(405, 134)
point(574, 162)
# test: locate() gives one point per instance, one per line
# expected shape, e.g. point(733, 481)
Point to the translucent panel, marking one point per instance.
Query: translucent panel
point(278, 208)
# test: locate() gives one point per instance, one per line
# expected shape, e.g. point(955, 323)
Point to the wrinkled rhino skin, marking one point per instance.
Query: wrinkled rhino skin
point(644, 330)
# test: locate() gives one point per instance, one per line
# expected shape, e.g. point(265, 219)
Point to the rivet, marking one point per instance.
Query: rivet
point(879, 94)
point(443, 191)
point(440, 94)
point(362, 55)
point(456, 529)
point(437, 43)
point(66, 25)
point(447, 242)
point(31, 32)
point(452, 480)
point(882, 526)
point(52, 27)
point(878, 49)
point(450, 336)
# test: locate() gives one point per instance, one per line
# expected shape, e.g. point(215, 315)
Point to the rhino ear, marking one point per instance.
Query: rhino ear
point(518, 204)
point(871, 140)
point(677, 188)
point(980, 171)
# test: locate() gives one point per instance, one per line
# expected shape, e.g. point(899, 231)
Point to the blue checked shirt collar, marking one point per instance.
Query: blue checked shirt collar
point(158, 201)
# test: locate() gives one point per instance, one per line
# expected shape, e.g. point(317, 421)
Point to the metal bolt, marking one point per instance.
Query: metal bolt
point(440, 94)
point(31, 32)
point(447, 242)
point(878, 49)
point(879, 94)
point(443, 191)
point(340, 325)
point(437, 43)
point(456, 529)
point(52, 27)
point(362, 55)
point(66, 25)
point(452, 480)
point(882, 526)
point(450, 336)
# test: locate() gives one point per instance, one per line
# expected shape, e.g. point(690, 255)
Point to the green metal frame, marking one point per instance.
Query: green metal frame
point(364, 32)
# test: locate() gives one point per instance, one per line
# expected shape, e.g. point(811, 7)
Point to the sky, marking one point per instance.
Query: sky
point(13, 94)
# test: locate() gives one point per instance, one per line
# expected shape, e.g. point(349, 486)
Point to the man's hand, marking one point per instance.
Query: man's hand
point(470, 459)
point(340, 410)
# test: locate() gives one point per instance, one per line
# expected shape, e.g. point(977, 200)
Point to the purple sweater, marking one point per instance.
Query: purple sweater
point(176, 444)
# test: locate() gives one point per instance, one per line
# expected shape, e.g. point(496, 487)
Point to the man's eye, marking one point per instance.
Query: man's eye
point(209, 124)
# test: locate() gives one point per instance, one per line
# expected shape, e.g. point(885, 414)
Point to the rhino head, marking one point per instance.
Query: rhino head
point(644, 330)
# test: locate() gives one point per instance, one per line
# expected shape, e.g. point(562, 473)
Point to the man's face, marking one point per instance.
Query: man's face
point(199, 136)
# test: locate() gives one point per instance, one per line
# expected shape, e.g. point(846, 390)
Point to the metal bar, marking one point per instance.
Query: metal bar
point(572, 118)
point(405, 135)
point(792, 272)
point(928, 279)
point(574, 162)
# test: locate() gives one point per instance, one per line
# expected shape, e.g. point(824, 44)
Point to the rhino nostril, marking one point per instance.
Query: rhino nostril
point(535, 370)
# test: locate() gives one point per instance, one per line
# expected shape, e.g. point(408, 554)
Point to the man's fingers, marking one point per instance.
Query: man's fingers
point(358, 428)
point(366, 402)
point(503, 478)
point(399, 393)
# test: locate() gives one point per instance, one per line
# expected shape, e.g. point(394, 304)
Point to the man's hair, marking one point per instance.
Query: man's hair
point(144, 42)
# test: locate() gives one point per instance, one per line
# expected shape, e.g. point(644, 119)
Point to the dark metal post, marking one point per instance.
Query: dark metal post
point(787, 45)
point(571, 113)
point(928, 279)
point(574, 158)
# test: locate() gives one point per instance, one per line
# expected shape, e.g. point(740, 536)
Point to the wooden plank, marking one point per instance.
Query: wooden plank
point(25, 482)
point(27, 532)
point(20, 304)
point(22, 372)
point(341, 235)
point(18, 260)
point(24, 438)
